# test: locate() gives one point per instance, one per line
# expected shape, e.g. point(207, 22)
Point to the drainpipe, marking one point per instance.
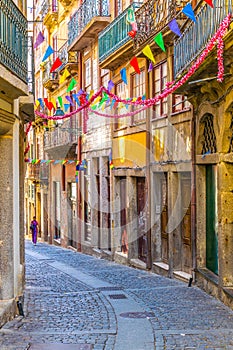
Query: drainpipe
point(193, 196)
point(79, 158)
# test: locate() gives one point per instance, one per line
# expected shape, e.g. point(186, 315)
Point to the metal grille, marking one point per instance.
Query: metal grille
point(109, 288)
point(209, 143)
point(231, 140)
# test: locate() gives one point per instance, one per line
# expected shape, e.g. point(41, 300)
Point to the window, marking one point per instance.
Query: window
point(159, 84)
point(120, 91)
point(104, 77)
point(138, 90)
point(87, 75)
point(73, 190)
point(180, 103)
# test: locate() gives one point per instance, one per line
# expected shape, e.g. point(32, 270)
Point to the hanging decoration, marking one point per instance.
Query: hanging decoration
point(159, 41)
point(39, 40)
point(174, 27)
point(134, 64)
point(64, 76)
point(130, 18)
point(148, 53)
point(72, 84)
point(150, 67)
point(188, 11)
point(123, 75)
point(48, 52)
point(209, 2)
point(56, 64)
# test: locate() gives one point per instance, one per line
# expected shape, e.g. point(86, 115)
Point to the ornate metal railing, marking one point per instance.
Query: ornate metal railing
point(46, 75)
point(67, 56)
point(62, 135)
point(85, 13)
point(48, 6)
point(153, 16)
point(196, 35)
point(115, 34)
point(13, 39)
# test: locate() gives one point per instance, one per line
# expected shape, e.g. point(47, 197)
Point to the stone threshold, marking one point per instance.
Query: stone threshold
point(8, 310)
point(138, 264)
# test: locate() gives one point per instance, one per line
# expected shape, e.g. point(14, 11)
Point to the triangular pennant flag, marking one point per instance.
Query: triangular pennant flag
point(134, 26)
point(48, 104)
point(72, 85)
point(56, 64)
point(150, 67)
point(66, 106)
point(48, 52)
point(53, 101)
point(110, 85)
point(123, 75)
point(209, 2)
point(39, 40)
point(159, 41)
point(64, 76)
point(132, 33)
point(188, 11)
point(70, 100)
point(148, 53)
point(134, 64)
point(174, 27)
point(130, 15)
point(60, 101)
point(41, 102)
point(75, 97)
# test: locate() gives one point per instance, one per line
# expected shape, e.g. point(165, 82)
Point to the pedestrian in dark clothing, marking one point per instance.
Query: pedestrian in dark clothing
point(34, 230)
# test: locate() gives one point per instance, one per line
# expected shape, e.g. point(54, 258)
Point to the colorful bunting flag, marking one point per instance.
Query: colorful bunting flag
point(188, 11)
point(48, 52)
point(66, 106)
point(110, 85)
point(132, 33)
point(174, 27)
point(64, 76)
point(150, 67)
point(130, 18)
point(134, 64)
point(73, 83)
point(209, 2)
point(41, 102)
point(48, 104)
point(39, 40)
point(70, 100)
point(60, 101)
point(134, 26)
point(123, 75)
point(159, 41)
point(56, 64)
point(148, 53)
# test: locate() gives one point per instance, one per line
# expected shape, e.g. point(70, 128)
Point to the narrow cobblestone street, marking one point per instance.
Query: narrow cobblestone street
point(88, 303)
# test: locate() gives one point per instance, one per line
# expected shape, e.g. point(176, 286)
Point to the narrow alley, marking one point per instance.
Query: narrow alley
point(75, 301)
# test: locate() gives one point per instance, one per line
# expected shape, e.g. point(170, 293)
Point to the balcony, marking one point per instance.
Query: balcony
point(153, 16)
point(13, 43)
point(61, 141)
point(69, 59)
point(33, 172)
point(114, 42)
point(196, 35)
point(90, 18)
point(49, 13)
point(50, 80)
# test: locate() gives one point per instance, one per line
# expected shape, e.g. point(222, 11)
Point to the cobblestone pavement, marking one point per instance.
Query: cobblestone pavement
point(89, 303)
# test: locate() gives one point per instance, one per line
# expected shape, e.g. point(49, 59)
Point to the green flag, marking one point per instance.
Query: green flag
point(159, 41)
point(60, 101)
point(72, 85)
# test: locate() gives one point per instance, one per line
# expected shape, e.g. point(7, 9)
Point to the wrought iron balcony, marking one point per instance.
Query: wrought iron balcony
point(62, 139)
point(90, 18)
point(50, 80)
point(33, 172)
point(49, 12)
point(153, 16)
point(13, 39)
point(196, 35)
point(114, 37)
point(69, 58)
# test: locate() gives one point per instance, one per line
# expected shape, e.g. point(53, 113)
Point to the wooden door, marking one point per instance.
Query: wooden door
point(141, 211)
point(186, 252)
point(164, 220)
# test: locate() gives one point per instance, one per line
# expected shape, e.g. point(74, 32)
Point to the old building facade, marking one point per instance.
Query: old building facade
point(16, 109)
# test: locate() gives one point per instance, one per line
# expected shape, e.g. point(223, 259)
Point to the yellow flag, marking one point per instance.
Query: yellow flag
point(65, 75)
point(54, 102)
point(148, 53)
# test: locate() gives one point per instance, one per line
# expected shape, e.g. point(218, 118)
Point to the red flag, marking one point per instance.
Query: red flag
point(209, 2)
point(134, 64)
point(132, 33)
point(56, 64)
point(48, 104)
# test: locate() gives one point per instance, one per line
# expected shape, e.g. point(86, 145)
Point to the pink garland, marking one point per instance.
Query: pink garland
point(217, 38)
point(129, 114)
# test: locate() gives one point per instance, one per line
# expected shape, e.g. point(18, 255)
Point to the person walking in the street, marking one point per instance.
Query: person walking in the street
point(34, 230)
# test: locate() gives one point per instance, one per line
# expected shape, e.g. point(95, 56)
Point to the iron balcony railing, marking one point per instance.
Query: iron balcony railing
point(61, 135)
point(115, 35)
point(85, 13)
point(48, 6)
point(153, 16)
point(13, 39)
point(46, 75)
point(195, 37)
point(67, 56)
